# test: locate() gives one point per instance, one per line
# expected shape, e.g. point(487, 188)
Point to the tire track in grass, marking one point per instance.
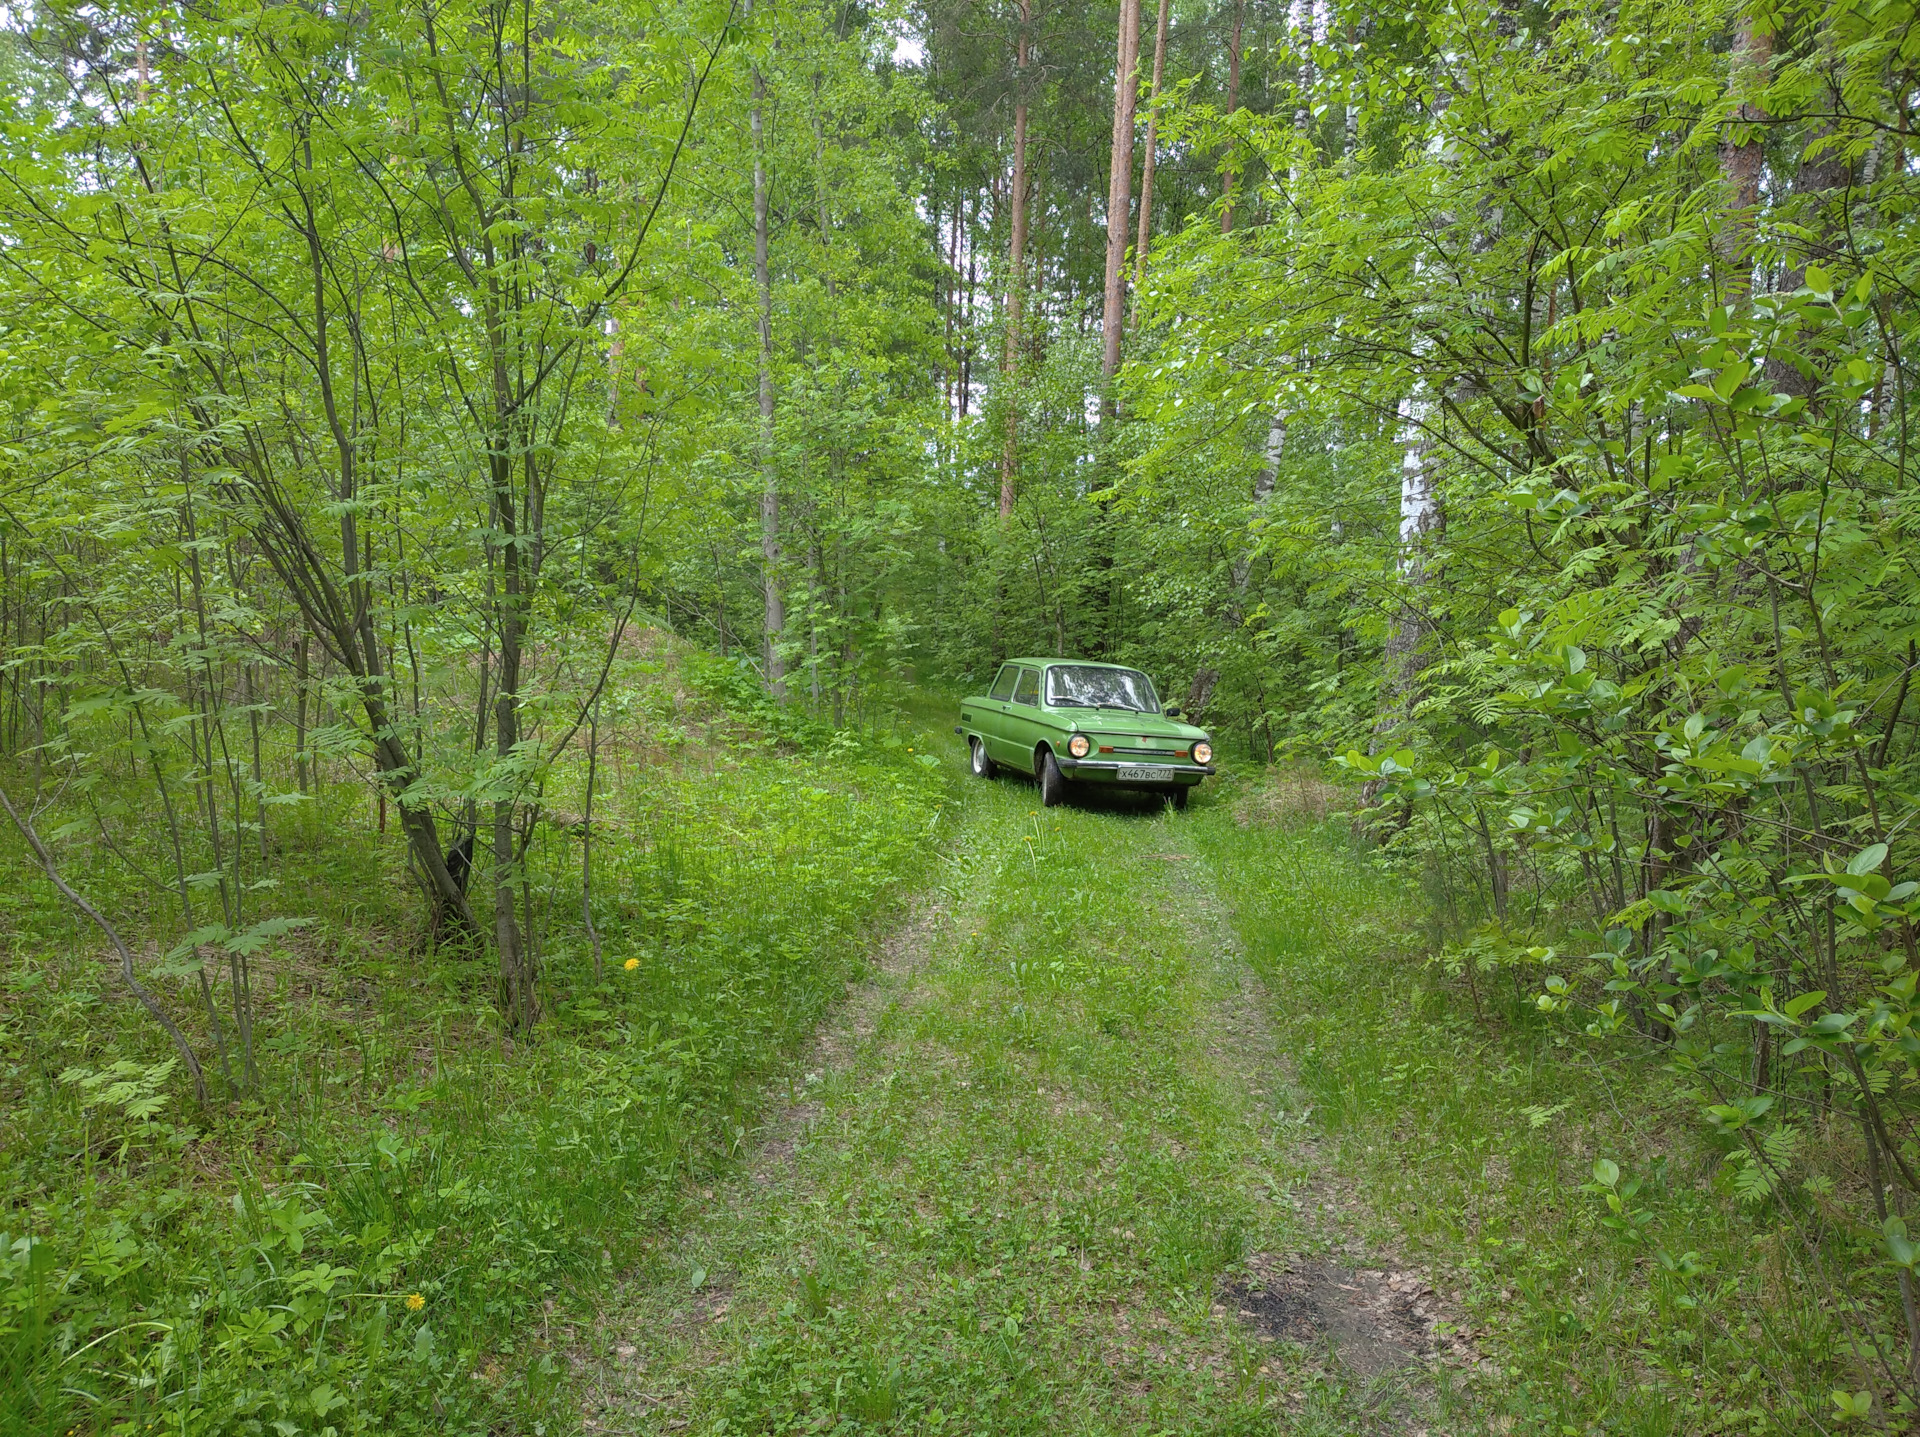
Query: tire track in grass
point(1022, 1183)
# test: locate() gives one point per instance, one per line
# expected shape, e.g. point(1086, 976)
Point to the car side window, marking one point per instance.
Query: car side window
point(1003, 682)
point(1028, 689)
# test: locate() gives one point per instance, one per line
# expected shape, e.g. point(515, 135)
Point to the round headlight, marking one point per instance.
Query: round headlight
point(1079, 746)
point(1203, 752)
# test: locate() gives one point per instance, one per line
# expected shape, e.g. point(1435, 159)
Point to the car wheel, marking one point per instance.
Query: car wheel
point(983, 767)
point(1053, 784)
point(1178, 798)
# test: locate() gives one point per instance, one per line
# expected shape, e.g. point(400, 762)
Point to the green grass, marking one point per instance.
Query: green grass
point(1007, 1194)
point(378, 1237)
point(1470, 1124)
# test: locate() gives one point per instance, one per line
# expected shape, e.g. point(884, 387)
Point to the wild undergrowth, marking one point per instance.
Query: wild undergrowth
point(1615, 1277)
point(374, 1234)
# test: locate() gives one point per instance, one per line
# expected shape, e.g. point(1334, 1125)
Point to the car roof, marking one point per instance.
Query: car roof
point(1083, 663)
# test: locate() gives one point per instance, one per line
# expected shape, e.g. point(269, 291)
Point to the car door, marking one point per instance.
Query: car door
point(1022, 720)
point(990, 713)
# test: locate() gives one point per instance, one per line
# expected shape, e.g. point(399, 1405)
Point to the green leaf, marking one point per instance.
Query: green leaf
point(255, 938)
point(1730, 379)
point(1868, 859)
point(1850, 1405)
point(1794, 1007)
point(1901, 1248)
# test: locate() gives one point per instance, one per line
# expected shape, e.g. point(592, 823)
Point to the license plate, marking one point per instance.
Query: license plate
point(1140, 775)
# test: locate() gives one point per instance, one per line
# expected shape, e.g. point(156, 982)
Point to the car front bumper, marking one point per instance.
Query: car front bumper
point(1163, 772)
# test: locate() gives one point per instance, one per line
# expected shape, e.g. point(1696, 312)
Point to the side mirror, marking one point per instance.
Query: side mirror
point(1173, 710)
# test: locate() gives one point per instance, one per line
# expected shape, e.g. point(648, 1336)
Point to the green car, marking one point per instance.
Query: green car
point(1073, 721)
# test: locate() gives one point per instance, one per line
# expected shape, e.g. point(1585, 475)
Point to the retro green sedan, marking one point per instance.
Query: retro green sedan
point(1071, 721)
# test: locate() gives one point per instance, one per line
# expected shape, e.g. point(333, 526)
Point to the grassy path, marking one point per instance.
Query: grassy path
point(1042, 1173)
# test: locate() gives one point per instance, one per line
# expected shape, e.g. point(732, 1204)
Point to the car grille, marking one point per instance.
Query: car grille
point(1147, 752)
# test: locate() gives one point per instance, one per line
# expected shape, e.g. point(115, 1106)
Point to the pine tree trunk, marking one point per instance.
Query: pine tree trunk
point(1016, 270)
point(1233, 104)
point(1119, 202)
point(1743, 154)
point(1145, 232)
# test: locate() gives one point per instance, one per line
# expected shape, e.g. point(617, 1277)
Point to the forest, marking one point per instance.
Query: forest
point(500, 501)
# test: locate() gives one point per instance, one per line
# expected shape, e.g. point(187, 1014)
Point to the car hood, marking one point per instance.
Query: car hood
point(1112, 723)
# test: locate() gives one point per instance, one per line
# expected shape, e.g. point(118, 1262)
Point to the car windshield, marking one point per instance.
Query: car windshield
point(1084, 686)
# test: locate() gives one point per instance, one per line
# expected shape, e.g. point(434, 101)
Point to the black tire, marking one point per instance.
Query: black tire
point(1178, 798)
point(1053, 784)
point(983, 767)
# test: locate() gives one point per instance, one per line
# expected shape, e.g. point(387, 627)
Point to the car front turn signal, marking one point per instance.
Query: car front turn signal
point(1203, 752)
point(1079, 745)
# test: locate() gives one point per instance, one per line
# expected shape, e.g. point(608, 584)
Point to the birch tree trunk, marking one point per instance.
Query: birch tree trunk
point(1406, 651)
point(1422, 517)
point(775, 619)
point(1303, 112)
point(1263, 486)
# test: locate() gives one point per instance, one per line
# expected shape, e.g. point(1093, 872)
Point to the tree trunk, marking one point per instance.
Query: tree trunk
point(1016, 269)
point(516, 975)
point(775, 621)
point(951, 282)
point(966, 311)
point(586, 839)
point(1145, 232)
point(1119, 202)
point(1743, 153)
point(1303, 114)
point(259, 775)
point(1263, 486)
point(824, 212)
point(1233, 104)
point(1405, 655)
point(300, 680)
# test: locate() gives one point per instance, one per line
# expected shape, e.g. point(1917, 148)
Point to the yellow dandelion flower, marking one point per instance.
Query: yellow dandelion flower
point(415, 1302)
point(631, 964)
